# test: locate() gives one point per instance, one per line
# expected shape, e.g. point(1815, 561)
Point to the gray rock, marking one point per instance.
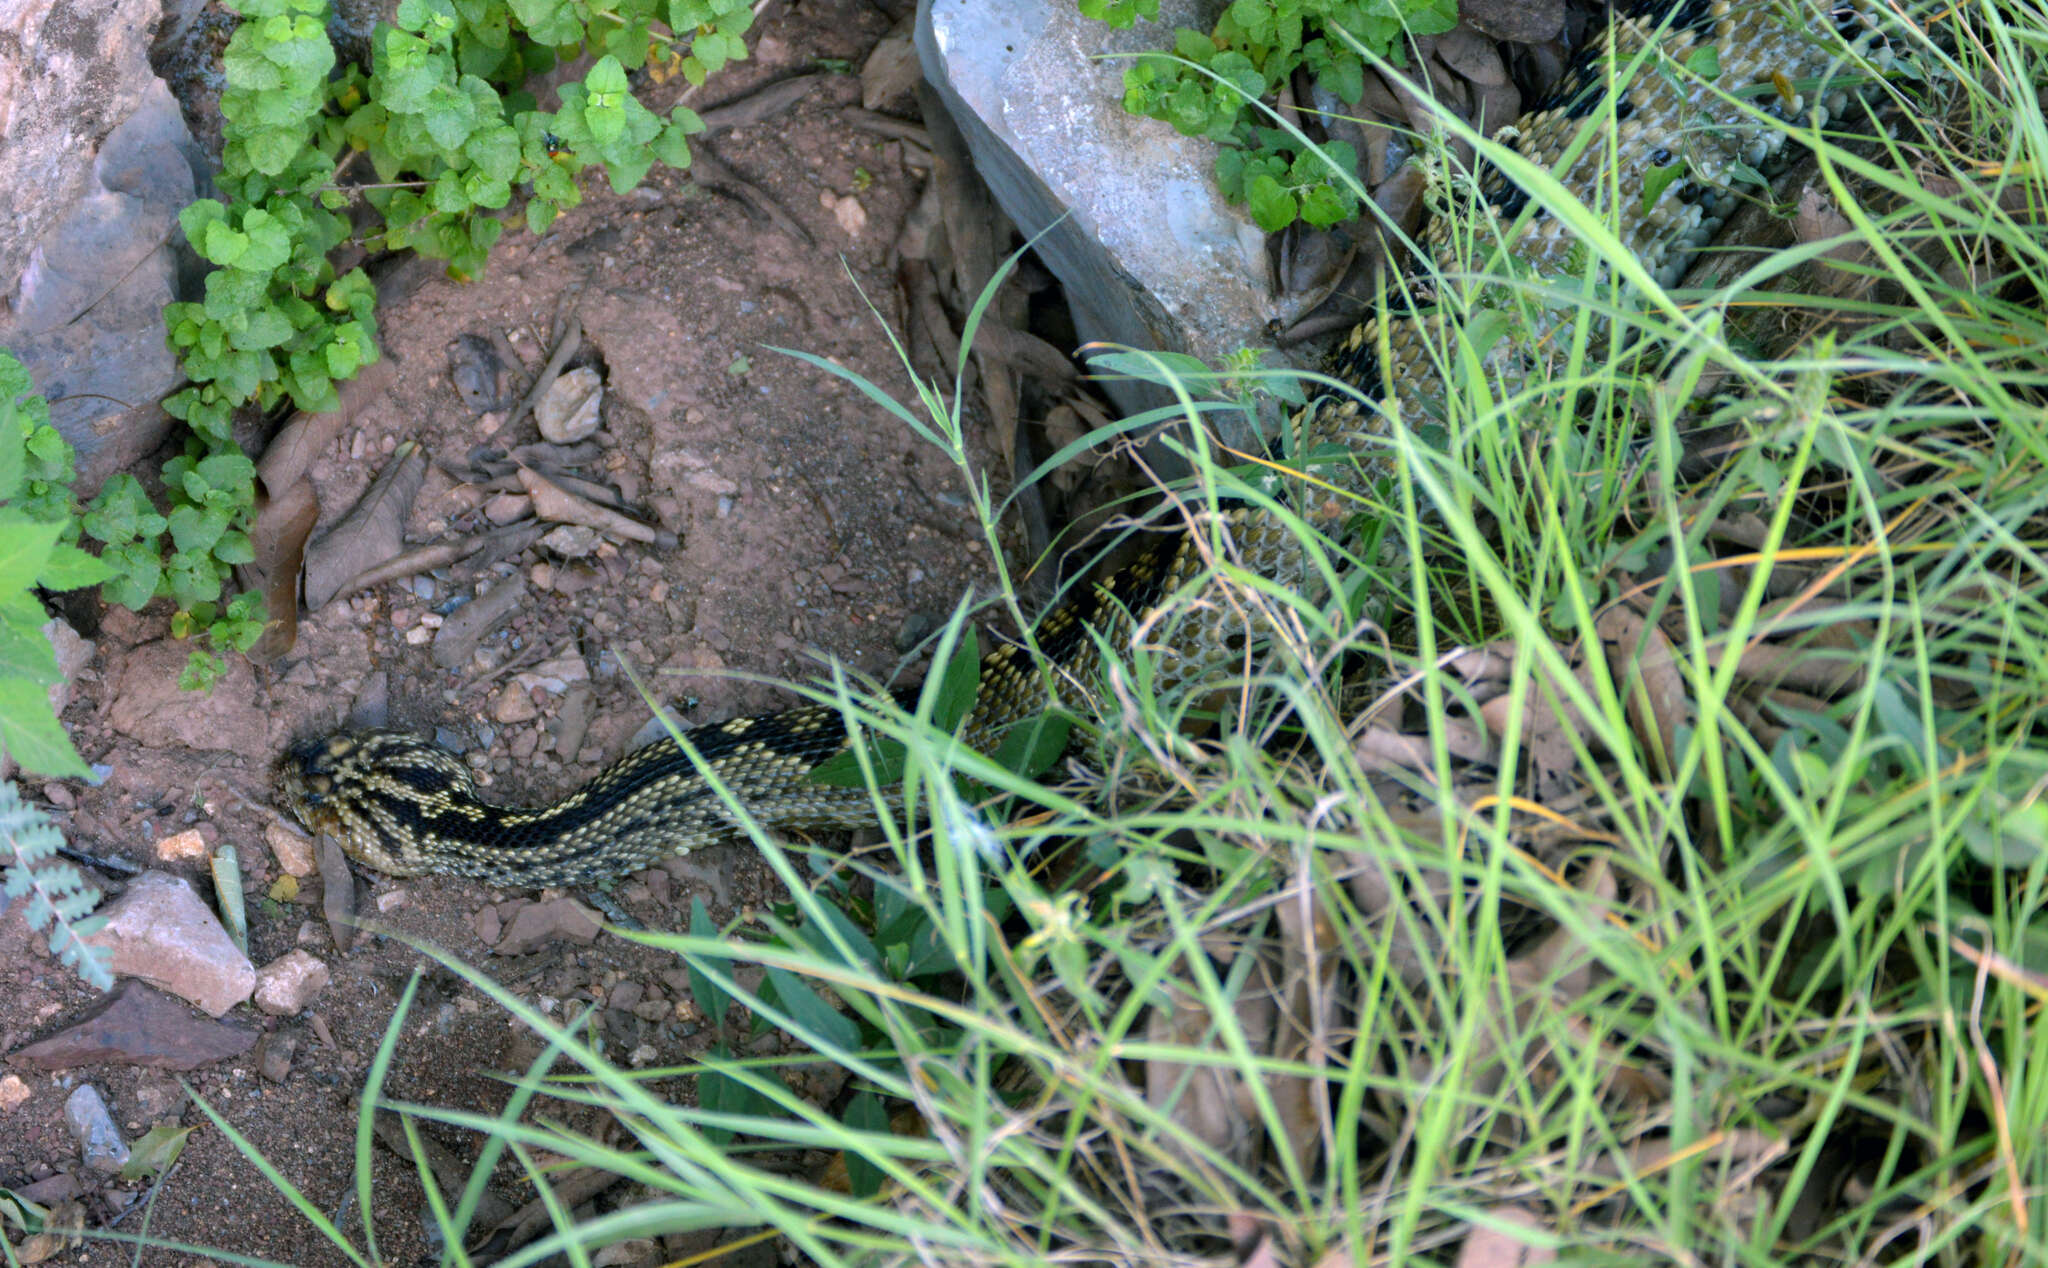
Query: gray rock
point(138, 1026)
point(99, 1142)
point(570, 410)
point(70, 70)
point(274, 1055)
point(88, 247)
point(160, 931)
point(1150, 254)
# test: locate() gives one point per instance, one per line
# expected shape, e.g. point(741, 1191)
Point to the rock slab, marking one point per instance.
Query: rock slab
point(1132, 222)
point(161, 932)
point(139, 1026)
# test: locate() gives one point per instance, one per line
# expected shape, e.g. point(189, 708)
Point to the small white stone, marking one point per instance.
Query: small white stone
point(294, 853)
point(569, 411)
point(182, 847)
point(288, 984)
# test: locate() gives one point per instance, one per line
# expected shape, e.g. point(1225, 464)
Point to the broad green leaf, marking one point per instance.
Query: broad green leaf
point(223, 245)
point(196, 218)
point(711, 1001)
point(1659, 179)
point(13, 453)
point(957, 686)
point(1031, 746)
point(827, 1025)
point(272, 150)
point(234, 548)
point(155, 1152)
point(269, 243)
point(865, 1113)
point(1272, 207)
point(25, 651)
point(194, 530)
point(494, 149)
point(24, 551)
point(265, 328)
point(843, 770)
point(70, 568)
point(138, 569)
point(31, 734)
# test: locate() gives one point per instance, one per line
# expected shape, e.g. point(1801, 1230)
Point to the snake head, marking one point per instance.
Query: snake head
point(359, 786)
point(311, 776)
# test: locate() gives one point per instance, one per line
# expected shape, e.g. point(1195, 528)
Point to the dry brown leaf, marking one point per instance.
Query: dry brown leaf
point(283, 523)
point(412, 563)
point(1818, 219)
point(1645, 670)
point(1472, 55)
point(1489, 1246)
point(338, 894)
point(373, 530)
point(890, 72)
point(62, 1230)
point(1208, 1101)
point(466, 626)
point(1309, 964)
point(302, 438)
point(552, 502)
point(1266, 1254)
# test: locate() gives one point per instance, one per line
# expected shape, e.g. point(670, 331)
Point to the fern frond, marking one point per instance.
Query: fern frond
point(58, 895)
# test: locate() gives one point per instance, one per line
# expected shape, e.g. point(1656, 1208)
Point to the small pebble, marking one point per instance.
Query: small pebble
point(99, 1142)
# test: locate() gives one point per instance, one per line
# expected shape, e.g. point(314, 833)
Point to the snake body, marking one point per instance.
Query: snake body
point(405, 806)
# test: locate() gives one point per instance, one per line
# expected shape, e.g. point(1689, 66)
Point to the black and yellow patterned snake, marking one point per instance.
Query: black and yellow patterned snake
point(1646, 119)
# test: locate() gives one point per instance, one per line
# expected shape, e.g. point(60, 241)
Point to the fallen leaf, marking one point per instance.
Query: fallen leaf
point(283, 523)
point(890, 72)
point(373, 530)
point(153, 1155)
point(1500, 1245)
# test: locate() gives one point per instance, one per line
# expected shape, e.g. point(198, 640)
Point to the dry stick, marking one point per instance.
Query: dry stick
point(760, 105)
point(552, 502)
point(589, 491)
point(412, 562)
point(572, 339)
point(534, 654)
point(708, 171)
point(888, 125)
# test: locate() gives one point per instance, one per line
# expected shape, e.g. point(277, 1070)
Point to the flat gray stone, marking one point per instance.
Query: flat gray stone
point(1150, 254)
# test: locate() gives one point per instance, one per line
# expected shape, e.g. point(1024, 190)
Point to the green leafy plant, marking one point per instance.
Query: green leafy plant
point(1209, 88)
point(38, 550)
point(450, 137)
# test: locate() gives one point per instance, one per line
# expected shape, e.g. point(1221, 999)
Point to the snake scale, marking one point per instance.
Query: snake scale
point(405, 806)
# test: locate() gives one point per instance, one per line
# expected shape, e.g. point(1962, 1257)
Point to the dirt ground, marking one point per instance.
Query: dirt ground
point(799, 519)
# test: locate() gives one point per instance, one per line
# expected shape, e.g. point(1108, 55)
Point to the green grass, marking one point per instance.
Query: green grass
point(1644, 858)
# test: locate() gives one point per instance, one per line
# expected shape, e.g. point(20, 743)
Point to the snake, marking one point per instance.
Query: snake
point(1653, 123)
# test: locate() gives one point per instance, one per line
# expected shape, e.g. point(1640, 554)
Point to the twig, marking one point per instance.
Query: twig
point(760, 105)
point(706, 169)
point(572, 339)
point(418, 560)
